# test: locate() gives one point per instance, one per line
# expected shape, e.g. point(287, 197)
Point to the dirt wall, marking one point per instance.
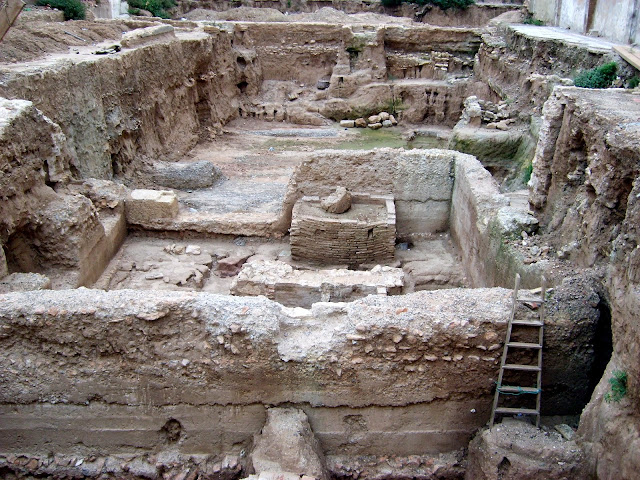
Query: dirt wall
point(585, 188)
point(151, 101)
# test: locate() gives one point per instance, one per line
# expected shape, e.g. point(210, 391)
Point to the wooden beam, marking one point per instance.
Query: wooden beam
point(8, 15)
point(630, 54)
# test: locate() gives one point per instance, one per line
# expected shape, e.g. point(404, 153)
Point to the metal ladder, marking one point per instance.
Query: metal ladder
point(524, 326)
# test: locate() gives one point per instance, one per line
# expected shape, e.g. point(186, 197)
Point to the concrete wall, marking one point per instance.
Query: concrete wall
point(613, 19)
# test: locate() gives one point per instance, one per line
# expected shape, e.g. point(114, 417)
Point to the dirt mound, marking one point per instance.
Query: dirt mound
point(32, 40)
point(324, 15)
point(331, 15)
point(246, 14)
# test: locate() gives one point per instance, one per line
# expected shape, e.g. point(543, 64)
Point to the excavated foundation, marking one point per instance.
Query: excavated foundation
point(168, 274)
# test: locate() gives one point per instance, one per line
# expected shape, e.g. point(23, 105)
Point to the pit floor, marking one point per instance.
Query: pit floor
point(152, 263)
point(257, 159)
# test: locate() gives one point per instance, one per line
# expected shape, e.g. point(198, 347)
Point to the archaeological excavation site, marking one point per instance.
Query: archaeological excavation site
point(320, 239)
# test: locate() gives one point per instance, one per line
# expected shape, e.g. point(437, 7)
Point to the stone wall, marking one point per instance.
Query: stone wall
point(482, 220)
point(282, 283)
point(365, 234)
point(123, 364)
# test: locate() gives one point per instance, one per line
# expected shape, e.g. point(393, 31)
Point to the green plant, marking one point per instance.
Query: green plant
point(618, 384)
point(158, 8)
point(72, 9)
point(527, 170)
point(442, 4)
point(599, 77)
point(533, 21)
point(633, 82)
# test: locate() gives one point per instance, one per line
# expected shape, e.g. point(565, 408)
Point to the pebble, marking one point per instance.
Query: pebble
point(154, 276)
point(193, 250)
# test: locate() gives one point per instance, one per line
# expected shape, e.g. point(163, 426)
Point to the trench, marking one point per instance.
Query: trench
point(221, 202)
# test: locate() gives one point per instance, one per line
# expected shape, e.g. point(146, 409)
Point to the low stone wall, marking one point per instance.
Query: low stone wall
point(282, 283)
point(366, 233)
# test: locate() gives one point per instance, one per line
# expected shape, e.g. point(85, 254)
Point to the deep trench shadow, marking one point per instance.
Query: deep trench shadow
point(602, 346)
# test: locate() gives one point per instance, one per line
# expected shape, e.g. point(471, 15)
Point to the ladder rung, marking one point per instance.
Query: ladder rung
point(524, 345)
point(524, 411)
point(527, 368)
point(528, 323)
point(513, 389)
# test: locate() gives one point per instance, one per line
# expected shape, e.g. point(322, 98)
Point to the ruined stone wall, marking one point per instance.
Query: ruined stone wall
point(44, 228)
point(523, 68)
point(585, 190)
point(151, 101)
point(348, 6)
point(481, 221)
point(304, 52)
point(123, 364)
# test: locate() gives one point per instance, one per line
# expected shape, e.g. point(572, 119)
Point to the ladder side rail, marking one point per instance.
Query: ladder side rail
point(543, 293)
point(505, 350)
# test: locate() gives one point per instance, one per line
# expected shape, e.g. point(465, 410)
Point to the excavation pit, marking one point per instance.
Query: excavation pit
point(170, 334)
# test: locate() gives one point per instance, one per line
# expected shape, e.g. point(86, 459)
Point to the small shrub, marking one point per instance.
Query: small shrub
point(72, 9)
point(158, 8)
point(618, 384)
point(599, 77)
point(533, 21)
point(633, 82)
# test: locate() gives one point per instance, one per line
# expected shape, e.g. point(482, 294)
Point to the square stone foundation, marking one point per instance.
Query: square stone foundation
point(366, 233)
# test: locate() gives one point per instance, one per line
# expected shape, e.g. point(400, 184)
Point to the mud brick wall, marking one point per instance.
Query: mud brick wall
point(324, 237)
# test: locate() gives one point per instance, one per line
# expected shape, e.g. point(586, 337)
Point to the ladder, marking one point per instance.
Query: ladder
point(524, 327)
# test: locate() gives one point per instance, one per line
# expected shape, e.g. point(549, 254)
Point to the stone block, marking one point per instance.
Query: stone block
point(361, 123)
point(338, 202)
point(4, 271)
point(147, 35)
point(287, 444)
point(144, 207)
point(24, 282)
point(185, 176)
point(347, 123)
point(230, 266)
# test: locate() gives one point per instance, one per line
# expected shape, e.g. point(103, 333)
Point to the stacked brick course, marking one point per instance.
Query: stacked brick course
point(364, 234)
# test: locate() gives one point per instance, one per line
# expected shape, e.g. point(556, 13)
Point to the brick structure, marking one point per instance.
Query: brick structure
point(364, 234)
